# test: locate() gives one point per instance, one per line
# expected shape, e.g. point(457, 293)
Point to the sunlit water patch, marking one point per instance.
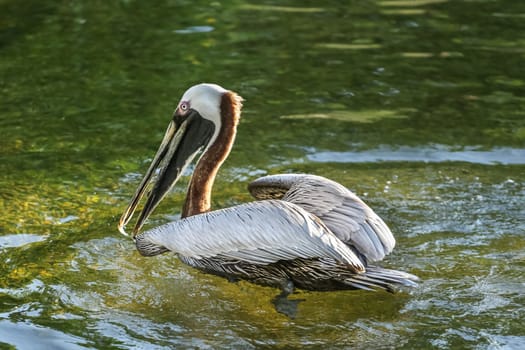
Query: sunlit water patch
point(25, 335)
point(20, 239)
point(195, 29)
point(432, 154)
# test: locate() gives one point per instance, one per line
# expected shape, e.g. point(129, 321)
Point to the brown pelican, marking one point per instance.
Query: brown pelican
point(303, 231)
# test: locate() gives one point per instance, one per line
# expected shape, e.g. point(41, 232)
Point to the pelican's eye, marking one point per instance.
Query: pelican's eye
point(184, 107)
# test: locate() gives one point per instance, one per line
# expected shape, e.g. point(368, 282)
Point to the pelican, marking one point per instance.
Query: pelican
point(303, 231)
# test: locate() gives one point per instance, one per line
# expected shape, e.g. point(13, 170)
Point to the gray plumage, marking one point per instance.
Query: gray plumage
point(319, 235)
point(245, 233)
point(345, 214)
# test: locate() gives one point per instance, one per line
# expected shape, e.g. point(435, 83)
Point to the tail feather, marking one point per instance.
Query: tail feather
point(360, 284)
point(380, 278)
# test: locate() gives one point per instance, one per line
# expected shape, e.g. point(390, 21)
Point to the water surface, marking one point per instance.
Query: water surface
point(417, 106)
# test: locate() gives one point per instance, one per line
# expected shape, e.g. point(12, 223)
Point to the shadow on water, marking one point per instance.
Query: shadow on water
point(414, 105)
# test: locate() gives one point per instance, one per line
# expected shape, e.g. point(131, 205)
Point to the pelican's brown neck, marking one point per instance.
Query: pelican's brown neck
point(198, 198)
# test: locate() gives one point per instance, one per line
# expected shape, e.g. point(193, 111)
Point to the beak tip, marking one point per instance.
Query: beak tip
point(122, 230)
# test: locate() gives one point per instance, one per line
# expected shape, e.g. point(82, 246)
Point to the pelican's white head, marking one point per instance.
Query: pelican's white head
point(206, 115)
point(205, 99)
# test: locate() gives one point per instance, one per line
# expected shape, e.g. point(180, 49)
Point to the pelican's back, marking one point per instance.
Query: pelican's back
point(345, 214)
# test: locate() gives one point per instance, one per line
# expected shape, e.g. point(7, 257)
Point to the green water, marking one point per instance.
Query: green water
point(417, 106)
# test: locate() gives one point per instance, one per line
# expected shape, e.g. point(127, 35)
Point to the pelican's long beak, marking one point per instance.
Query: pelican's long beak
point(185, 137)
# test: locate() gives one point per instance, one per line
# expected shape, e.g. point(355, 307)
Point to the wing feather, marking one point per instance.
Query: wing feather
point(345, 214)
point(258, 232)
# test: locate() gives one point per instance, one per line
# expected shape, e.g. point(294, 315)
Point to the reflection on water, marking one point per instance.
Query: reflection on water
point(20, 239)
point(436, 153)
point(23, 336)
point(417, 106)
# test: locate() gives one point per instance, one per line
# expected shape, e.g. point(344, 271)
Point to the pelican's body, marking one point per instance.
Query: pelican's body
point(304, 231)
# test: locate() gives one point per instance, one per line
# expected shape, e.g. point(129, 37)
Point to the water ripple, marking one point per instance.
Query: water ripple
point(21, 239)
point(428, 154)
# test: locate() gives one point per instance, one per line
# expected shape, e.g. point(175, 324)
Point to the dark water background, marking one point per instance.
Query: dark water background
point(417, 106)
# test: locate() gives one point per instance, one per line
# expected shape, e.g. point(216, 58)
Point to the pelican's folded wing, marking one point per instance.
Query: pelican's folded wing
point(345, 214)
point(259, 233)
